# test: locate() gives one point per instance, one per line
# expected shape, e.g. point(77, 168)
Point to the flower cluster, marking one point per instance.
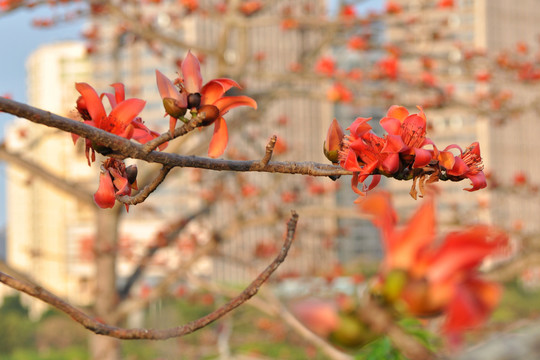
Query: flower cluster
point(404, 153)
point(431, 279)
point(115, 180)
point(123, 121)
point(188, 93)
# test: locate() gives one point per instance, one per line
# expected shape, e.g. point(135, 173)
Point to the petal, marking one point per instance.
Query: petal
point(359, 127)
point(351, 162)
point(191, 72)
point(459, 168)
point(422, 157)
point(394, 144)
point(478, 181)
point(447, 159)
point(212, 91)
point(220, 138)
point(124, 113)
point(93, 102)
point(391, 163)
point(104, 196)
point(119, 92)
point(418, 233)
point(397, 112)
point(472, 303)
point(166, 87)
point(391, 125)
point(230, 102)
point(464, 251)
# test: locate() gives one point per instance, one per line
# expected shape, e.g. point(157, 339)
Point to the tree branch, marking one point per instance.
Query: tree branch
point(150, 334)
point(130, 149)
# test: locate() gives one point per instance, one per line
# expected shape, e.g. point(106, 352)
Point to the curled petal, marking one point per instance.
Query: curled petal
point(230, 102)
point(391, 163)
point(220, 138)
point(104, 196)
point(93, 102)
point(478, 181)
point(191, 72)
point(359, 127)
point(119, 92)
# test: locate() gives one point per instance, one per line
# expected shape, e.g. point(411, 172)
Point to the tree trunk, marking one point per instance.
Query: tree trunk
point(103, 347)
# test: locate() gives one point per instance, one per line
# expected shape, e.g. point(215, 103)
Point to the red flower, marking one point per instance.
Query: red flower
point(407, 134)
point(122, 120)
point(326, 65)
point(115, 179)
point(468, 165)
point(207, 99)
point(432, 279)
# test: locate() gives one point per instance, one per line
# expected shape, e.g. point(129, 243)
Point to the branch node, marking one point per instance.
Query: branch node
point(269, 151)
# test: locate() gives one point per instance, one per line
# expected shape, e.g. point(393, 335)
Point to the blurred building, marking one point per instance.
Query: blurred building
point(39, 214)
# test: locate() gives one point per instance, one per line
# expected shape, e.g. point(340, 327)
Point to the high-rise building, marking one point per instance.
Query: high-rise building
point(39, 214)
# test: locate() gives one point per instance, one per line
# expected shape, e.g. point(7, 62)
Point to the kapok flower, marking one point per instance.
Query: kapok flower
point(468, 165)
point(123, 119)
point(208, 99)
point(430, 279)
point(115, 180)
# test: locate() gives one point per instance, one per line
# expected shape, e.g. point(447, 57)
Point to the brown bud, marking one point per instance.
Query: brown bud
point(131, 172)
point(172, 108)
point(194, 100)
point(211, 113)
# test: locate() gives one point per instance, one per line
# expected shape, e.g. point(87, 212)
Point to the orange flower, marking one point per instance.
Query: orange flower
point(432, 279)
point(115, 180)
point(208, 99)
point(123, 119)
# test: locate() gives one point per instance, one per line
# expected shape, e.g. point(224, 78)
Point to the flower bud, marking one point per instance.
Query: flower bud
point(332, 145)
point(194, 100)
point(211, 113)
point(131, 174)
point(172, 108)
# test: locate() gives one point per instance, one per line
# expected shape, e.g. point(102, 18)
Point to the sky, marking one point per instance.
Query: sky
point(18, 39)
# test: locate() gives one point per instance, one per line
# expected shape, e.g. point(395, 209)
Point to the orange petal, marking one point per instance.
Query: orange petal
point(104, 196)
point(230, 102)
point(166, 87)
point(119, 92)
point(93, 102)
point(397, 112)
point(219, 139)
point(124, 113)
point(211, 92)
point(191, 72)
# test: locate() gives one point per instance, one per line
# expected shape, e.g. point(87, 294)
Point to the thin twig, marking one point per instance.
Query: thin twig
point(152, 334)
point(148, 189)
point(269, 151)
point(178, 132)
point(130, 149)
